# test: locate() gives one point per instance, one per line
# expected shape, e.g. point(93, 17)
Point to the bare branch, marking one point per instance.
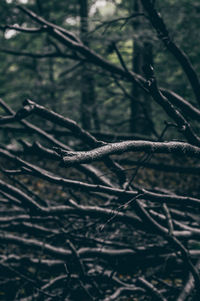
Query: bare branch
point(163, 34)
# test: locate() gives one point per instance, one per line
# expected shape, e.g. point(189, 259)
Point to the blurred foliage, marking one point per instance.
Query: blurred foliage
point(56, 81)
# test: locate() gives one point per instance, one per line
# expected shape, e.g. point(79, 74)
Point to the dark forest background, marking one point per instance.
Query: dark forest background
point(51, 74)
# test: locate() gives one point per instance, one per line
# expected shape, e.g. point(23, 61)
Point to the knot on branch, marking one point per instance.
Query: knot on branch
point(24, 112)
point(149, 74)
point(28, 109)
point(64, 153)
point(183, 128)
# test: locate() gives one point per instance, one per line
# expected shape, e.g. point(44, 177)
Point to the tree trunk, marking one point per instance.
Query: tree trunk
point(89, 115)
point(140, 105)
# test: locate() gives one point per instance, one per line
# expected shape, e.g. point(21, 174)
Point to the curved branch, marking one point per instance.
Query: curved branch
point(179, 148)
